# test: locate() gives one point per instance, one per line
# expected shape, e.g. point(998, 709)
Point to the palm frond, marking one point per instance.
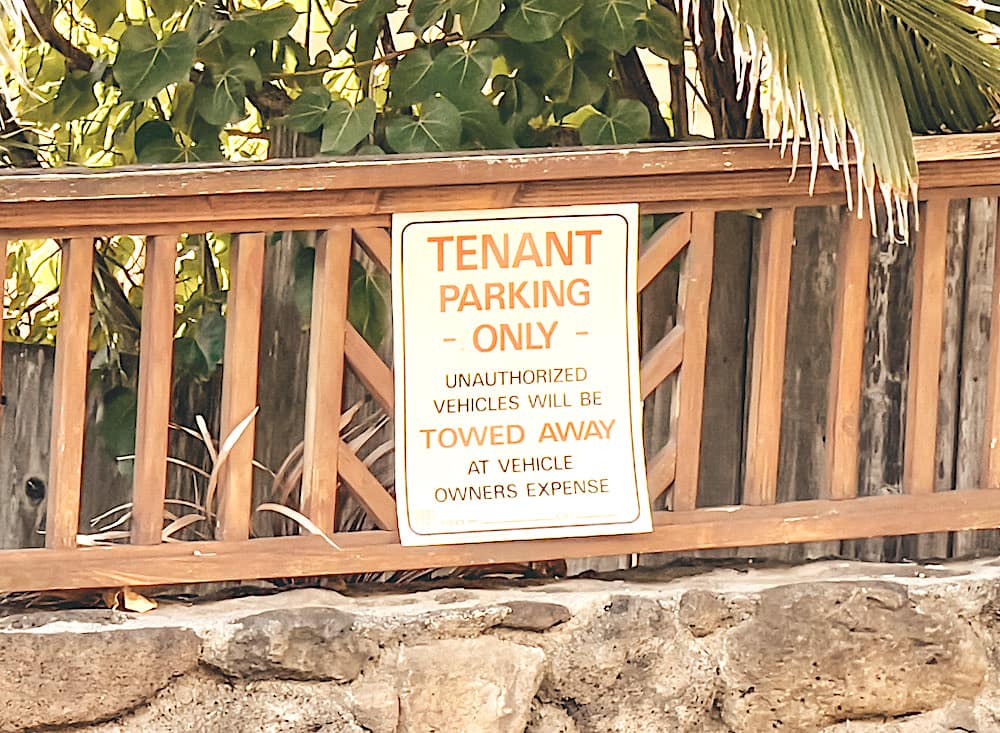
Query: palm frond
point(15, 25)
point(864, 73)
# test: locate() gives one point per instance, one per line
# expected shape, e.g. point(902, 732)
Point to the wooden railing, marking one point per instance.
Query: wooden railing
point(350, 202)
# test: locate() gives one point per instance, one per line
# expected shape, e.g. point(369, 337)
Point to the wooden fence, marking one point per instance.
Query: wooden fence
point(350, 201)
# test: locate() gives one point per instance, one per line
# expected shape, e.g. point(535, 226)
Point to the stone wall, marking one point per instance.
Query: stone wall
point(832, 647)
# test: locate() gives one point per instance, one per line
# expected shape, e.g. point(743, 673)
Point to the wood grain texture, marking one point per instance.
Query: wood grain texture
point(239, 383)
point(156, 348)
point(661, 248)
point(976, 346)
point(378, 243)
point(431, 171)
point(69, 398)
point(925, 349)
point(369, 368)
point(326, 377)
point(661, 361)
point(366, 488)
point(760, 484)
point(850, 310)
point(692, 315)
point(991, 440)
point(661, 470)
point(189, 562)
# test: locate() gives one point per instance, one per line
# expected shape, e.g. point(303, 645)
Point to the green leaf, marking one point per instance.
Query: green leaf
point(116, 421)
point(346, 125)
point(165, 9)
point(616, 19)
point(250, 26)
point(439, 127)
point(366, 19)
point(411, 81)
point(74, 100)
point(536, 20)
point(368, 306)
point(309, 109)
point(476, 15)
point(463, 71)
point(481, 125)
point(155, 143)
point(221, 99)
point(627, 122)
point(425, 13)
point(518, 101)
point(147, 64)
point(189, 359)
point(211, 337)
point(660, 30)
point(103, 12)
point(245, 69)
point(591, 77)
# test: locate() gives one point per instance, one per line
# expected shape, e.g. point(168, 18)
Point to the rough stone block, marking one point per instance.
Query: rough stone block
point(482, 685)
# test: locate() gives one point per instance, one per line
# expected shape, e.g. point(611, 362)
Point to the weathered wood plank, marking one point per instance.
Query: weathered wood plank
point(378, 243)
point(843, 424)
point(25, 570)
point(156, 350)
point(69, 399)
point(760, 484)
point(366, 488)
point(753, 189)
point(25, 439)
point(726, 368)
point(369, 368)
point(239, 383)
point(326, 377)
point(661, 248)
point(661, 361)
point(431, 171)
point(926, 333)
point(990, 469)
point(661, 469)
point(976, 346)
point(692, 315)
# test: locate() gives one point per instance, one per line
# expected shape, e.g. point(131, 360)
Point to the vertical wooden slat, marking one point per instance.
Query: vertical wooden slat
point(3, 277)
point(692, 315)
point(990, 474)
point(925, 349)
point(326, 377)
point(156, 347)
point(760, 484)
point(69, 405)
point(850, 309)
point(239, 384)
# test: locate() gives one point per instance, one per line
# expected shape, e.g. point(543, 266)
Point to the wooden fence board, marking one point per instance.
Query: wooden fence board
point(767, 371)
point(156, 350)
point(377, 551)
point(692, 315)
point(239, 384)
point(326, 376)
point(661, 248)
point(844, 409)
point(925, 349)
point(69, 395)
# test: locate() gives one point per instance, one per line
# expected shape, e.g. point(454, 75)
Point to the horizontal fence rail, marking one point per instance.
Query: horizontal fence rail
point(348, 204)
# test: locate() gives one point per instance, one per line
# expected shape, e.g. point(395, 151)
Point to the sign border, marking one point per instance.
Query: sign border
point(409, 535)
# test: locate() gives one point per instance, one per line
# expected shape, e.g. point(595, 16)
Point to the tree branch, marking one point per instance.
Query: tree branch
point(635, 84)
point(18, 153)
point(76, 58)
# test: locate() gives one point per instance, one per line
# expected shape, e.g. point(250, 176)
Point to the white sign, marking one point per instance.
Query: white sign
point(518, 414)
